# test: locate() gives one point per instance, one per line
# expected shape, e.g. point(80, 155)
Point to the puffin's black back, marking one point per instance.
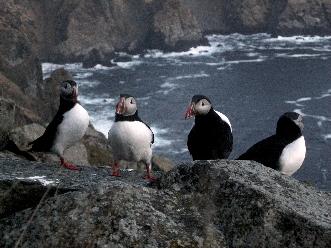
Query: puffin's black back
point(210, 138)
point(269, 150)
point(45, 142)
point(266, 152)
point(134, 117)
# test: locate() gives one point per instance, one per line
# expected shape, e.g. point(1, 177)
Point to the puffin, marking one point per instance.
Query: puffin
point(284, 151)
point(67, 127)
point(130, 138)
point(211, 135)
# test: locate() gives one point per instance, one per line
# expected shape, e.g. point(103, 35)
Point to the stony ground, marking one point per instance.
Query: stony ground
point(203, 204)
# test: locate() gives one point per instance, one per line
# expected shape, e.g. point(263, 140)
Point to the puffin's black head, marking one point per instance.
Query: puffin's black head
point(290, 124)
point(126, 106)
point(69, 90)
point(200, 105)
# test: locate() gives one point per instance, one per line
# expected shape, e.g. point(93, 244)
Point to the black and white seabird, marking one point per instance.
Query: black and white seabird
point(211, 136)
point(284, 151)
point(68, 126)
point(130, 138)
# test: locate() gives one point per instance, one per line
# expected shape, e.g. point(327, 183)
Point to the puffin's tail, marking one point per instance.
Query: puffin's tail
point(38, 145)
point(12, 147)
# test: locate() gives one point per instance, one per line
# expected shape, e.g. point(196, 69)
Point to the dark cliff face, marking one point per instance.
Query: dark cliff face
point(82, 30)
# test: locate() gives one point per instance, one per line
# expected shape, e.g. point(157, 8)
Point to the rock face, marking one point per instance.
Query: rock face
point(93, 30)
point(204, 204)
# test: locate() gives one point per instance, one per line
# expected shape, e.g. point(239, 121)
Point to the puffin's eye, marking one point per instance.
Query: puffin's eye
point(131, 101)
point(203, 104)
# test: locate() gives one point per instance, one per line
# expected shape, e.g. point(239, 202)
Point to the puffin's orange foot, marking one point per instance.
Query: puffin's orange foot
point(70, 166)
point(115, 174)
point(150, 178)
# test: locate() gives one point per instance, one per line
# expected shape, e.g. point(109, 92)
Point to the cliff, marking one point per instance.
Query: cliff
point(83, 30)
point(203, 204)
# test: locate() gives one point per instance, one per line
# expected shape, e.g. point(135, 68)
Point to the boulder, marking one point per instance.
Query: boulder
point(22, 136)
point(98, 149)
point(175, 28)
point(51, 93)
point(162, 163)
point(305, 17)
point(202, 204)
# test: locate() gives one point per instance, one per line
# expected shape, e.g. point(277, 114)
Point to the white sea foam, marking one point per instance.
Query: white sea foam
point(250, 43)
point(261, 59)
point(42, 179)
point(285, 55)
point(327, 136)
point(193, 52)
point(96, 101)
point(48, 68)
point(320, 118)
point(300, 39)
point(101, 67)
point(159, 136)
point(300, 103)
point(83, 75)
point(143, 98)
point(215, 63)
point(167, 87)
point(103, 126)
point(181, 151)
point(251, 54)
point(303, 99)
point(199, 75)
point(129, 64)
point(88, 83)
point(294, 103)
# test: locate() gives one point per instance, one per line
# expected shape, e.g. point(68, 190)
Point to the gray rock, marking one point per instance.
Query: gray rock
point(204, 204)
point(175, 28)
point(162, 163)
point(98, 149)
point(51, 93)
point(306, 17)
point(22, 136)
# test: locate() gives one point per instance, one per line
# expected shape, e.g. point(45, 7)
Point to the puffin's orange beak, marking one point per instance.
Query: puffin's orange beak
point(190, 111)
point(120, 106)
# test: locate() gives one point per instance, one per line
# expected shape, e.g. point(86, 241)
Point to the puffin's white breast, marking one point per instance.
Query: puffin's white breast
point(131, 141)
point(224, 118)
point(292, 156)
point(73, 127)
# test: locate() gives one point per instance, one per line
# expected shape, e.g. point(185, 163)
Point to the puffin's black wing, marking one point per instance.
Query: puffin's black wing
point(45, 142)
point(266, 152)
point(222, 143)
point(148, 128)
point(212, 141)
point(192, 142)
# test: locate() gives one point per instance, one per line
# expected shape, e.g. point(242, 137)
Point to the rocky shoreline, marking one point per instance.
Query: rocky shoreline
point(203, 204)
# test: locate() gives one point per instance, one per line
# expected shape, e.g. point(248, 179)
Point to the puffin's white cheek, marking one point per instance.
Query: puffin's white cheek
point(203, 110)
point(130, 109)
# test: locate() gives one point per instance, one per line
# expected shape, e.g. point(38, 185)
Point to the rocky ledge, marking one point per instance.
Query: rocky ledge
point(203, 204)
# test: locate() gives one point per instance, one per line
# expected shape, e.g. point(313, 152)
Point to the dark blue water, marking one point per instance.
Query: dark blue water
point(251, 79)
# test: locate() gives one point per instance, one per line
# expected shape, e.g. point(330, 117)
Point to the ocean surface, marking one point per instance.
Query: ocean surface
point(252, 79)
